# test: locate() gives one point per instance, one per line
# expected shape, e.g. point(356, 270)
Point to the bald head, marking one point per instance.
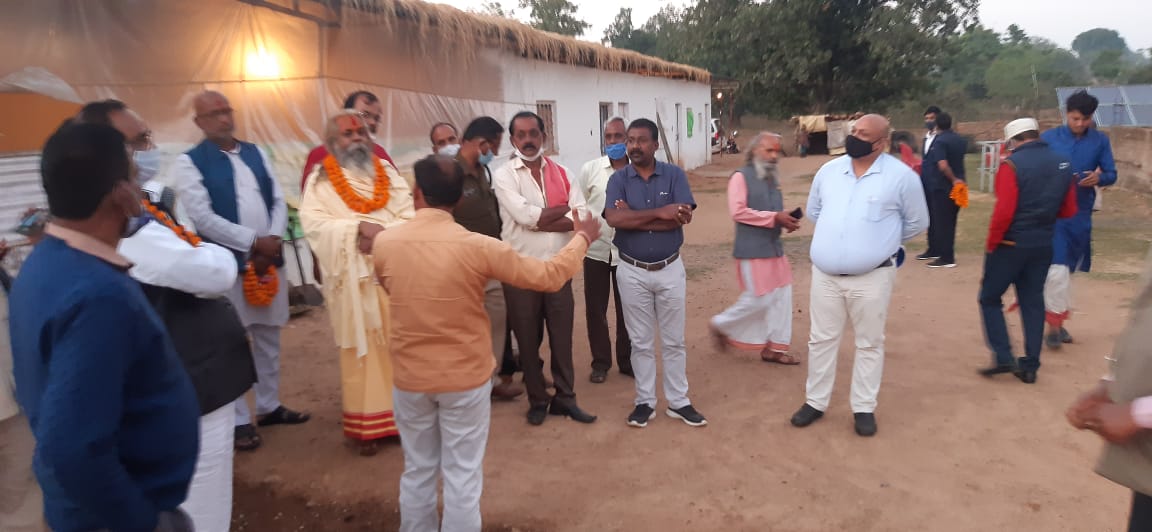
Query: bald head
point(764, 148)
point(214, 118)
point(871, 128)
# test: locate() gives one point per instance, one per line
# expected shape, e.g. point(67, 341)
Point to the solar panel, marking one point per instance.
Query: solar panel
point(1127, 105)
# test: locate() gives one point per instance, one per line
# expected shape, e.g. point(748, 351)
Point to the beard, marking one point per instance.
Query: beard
point(357, 156)
point(765, 169)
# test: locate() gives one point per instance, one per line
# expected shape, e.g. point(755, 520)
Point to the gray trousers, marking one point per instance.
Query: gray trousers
point(266, 354)
point(654, 307)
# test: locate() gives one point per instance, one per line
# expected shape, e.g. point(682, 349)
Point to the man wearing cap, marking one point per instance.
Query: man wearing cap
point(1034, 187)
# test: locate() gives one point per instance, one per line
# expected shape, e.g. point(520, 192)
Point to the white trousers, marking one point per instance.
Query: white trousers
point(266, 354)
point(209, 501)
point(758, 321)
point(445, 434)
point(654, 305)
point(834, 300)
point(1058, 291)
point(21, 503)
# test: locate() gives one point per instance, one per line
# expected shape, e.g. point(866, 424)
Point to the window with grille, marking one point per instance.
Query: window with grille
point(547, 112)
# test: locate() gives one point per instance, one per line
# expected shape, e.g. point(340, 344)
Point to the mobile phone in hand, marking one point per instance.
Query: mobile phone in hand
point(33, 223)
point(797, 213)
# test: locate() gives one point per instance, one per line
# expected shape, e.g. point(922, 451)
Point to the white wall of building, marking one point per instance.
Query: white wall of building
point(577, 93)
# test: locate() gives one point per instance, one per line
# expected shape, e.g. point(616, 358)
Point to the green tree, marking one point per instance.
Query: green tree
point(1141, 75)
point(1026, 75)
point(1108, 64)
point(1016, 36)
point(968, 60)
point(556, 16)
point(1091, 43)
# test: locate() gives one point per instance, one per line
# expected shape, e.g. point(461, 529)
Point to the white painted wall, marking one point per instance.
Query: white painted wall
point(578, 92)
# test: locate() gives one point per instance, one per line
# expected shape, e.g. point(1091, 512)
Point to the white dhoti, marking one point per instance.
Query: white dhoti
point(209, 501)
point(756, 322)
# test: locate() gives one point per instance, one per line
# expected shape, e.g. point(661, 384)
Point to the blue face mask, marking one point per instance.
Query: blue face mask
point(616, 152)
point(486, 158)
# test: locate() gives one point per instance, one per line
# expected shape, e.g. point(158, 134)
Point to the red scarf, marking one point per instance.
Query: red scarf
point(556, 185)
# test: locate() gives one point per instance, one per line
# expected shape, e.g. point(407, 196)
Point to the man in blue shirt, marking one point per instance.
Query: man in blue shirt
point(649, 202)
point(864, 206)
point(114, 414)
point(1090, 152)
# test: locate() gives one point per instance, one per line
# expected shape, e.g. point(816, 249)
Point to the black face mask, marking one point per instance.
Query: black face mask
point(929, 125)
point(857, 148)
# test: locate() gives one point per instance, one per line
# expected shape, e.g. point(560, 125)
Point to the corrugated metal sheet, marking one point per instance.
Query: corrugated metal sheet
point(19, 189)
point(1125, 105)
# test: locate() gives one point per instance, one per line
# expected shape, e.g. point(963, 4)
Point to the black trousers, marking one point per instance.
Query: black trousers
point(529, 313)
point(942, 214)
point(508, 365)
point(599, 280)
point(1026, 269)
point(1140, 520)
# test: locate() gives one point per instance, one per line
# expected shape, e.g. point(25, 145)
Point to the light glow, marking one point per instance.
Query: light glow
point(262, 65)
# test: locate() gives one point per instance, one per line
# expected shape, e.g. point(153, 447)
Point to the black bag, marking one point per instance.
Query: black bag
point(211, 341)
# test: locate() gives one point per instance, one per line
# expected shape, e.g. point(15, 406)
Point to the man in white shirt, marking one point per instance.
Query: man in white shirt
point(21, 503)
point(600, 263)
point(536, 199)
point(232, 198)
point(863, 205)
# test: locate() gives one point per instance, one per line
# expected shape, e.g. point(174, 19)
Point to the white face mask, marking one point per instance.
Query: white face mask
point(531, 159)
point(448, 150)
point(147, 164)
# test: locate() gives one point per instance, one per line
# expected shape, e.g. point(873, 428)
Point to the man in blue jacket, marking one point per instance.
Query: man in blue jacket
point(109, 402)
point(1090, 152)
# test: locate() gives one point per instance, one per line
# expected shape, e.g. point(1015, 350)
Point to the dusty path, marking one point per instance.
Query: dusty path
point(954, 451)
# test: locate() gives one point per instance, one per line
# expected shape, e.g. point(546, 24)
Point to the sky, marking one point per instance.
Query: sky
point(1058, 20)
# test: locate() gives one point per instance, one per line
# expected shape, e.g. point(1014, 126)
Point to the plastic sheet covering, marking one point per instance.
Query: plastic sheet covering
point(285, 72)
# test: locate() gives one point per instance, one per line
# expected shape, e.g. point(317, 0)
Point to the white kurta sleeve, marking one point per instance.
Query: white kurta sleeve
point(198, 205)
point(162, 258)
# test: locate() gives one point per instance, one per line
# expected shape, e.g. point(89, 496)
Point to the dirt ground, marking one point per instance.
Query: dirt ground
point(954, 451)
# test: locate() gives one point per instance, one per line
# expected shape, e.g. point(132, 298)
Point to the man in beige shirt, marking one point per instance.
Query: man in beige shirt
point(434, 271)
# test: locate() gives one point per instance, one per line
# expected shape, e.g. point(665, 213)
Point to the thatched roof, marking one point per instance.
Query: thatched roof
point(513, 36)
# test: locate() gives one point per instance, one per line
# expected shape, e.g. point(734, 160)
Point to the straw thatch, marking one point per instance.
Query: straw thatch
point(446, 22)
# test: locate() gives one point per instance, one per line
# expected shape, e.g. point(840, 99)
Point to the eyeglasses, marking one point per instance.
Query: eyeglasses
point(369, 116)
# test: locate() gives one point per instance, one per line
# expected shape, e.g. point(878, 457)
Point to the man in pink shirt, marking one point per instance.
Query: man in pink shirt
point(761, 319)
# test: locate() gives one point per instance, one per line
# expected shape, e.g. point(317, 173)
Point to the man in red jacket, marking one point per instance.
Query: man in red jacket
point(1034, 187)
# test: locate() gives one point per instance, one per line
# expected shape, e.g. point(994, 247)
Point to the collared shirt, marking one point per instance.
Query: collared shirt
point(928, 138)
point(593, 183)
point(255, 221)
point(946, 146)
point(88, 244)
point(1087, 152)
point(860, 222)
point(478, 211)
point(435, 271)
point(522, 200)
point(667, 185)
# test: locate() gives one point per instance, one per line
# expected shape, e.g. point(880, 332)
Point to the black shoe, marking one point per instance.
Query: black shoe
point(865, 424)
point(1026, 377)
point(627, 372)
point(1065, 338)
point(640, 416)
point(571, 411)
point(927, 255)
point(940, 263)
point(997, 370)
point(1052, 340)
point(598, 376)
point(806, 416)
point(537, 414)
point(688, 415)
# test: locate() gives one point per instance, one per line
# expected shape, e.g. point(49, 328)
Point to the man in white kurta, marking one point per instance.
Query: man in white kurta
point(234, 200)
point(343, 209)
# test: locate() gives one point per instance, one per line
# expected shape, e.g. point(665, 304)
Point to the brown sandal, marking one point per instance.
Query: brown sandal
point(777, 357)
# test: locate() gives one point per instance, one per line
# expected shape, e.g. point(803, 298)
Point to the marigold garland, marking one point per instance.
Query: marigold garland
point(381, 188)
point(167, 221)
point(260, 291)
point(959, 194)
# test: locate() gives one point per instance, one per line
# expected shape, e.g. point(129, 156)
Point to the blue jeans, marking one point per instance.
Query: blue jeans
point(1026, 268)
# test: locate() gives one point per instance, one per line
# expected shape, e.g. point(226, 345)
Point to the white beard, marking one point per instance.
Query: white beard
point(358, 157)
point(765, 170)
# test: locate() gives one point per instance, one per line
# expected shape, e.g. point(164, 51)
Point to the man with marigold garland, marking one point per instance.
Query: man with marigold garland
point(350, 198)
point(234, 200)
